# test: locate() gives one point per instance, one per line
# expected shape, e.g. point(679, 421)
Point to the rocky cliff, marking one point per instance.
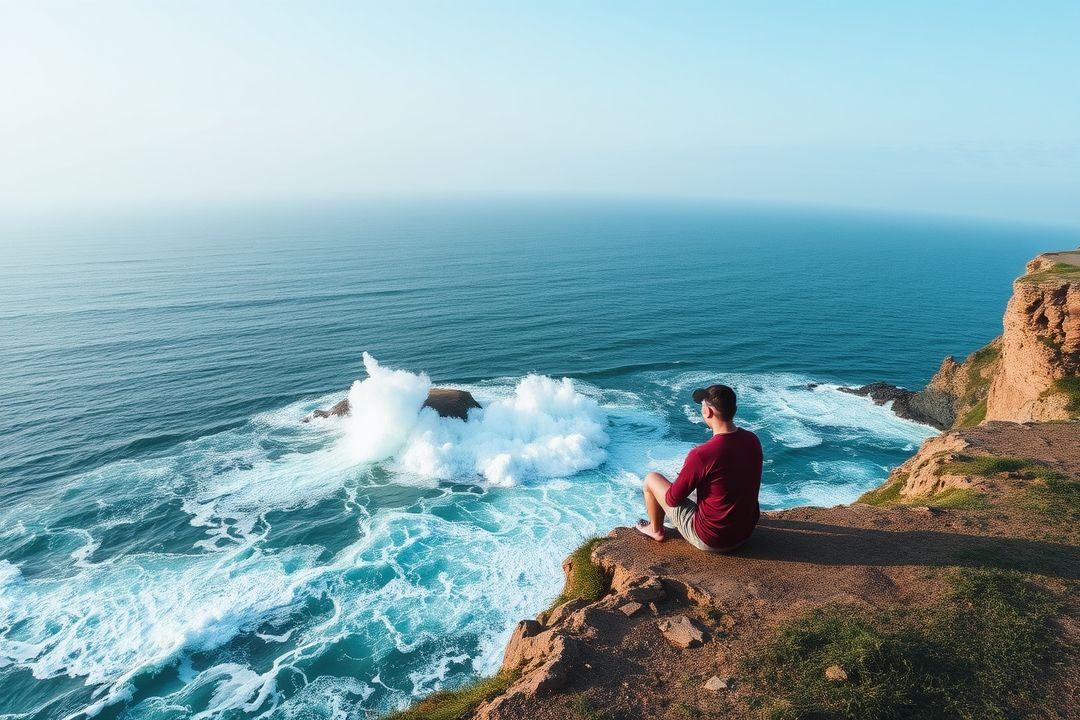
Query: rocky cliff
point(1030, 372)
point(1036, 378)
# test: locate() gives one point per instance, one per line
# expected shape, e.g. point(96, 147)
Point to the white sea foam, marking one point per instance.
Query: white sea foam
point(797, 413)
point(114, 620)
point(831, 483)
point(9, 573)
point(545, 429)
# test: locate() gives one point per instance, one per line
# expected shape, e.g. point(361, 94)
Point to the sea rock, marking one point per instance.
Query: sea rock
point(909, 405)
point(879, 392)
point(681, 631)
point(630, 608)
point(448, 402)
point(339, 409)
point(835, 673)
point(451, 403)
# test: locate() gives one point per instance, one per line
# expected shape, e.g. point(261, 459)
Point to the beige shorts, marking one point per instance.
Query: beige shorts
point(682, 518)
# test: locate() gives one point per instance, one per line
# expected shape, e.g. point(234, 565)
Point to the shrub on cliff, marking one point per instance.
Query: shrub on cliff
point(584, 578)
point(458, 703)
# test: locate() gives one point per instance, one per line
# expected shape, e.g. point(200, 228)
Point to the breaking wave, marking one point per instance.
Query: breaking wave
point(544, 429)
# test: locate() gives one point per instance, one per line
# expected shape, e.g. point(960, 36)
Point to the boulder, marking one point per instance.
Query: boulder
point(646, 590)
point(451, 403)
point(564, 611)
point(341, 408)
point(681, 632)
point(445, 401)
point(835, 673)
point(717, 683)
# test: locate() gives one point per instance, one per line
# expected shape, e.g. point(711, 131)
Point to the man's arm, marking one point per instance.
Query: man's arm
point(686, 482)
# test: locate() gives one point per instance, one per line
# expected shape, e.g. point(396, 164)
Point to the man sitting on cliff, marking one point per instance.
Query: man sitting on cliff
point(725, 472)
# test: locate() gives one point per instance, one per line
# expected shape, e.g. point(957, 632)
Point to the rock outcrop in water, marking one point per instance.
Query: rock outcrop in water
point(445, 401)
point(1031, 372)
point(956, 395)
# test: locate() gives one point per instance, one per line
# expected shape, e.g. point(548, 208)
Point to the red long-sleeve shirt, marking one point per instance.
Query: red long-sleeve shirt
point(726, 473)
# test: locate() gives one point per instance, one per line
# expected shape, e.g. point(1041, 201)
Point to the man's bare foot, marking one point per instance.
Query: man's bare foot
point(645, 528)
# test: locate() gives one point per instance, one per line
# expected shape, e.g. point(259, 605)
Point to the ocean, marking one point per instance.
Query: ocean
point(176, 543)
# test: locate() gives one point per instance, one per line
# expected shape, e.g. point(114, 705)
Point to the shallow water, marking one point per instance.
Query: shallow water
point(174, 542)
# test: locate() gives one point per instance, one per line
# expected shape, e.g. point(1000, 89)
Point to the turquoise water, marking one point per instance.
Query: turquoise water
point(175, 543)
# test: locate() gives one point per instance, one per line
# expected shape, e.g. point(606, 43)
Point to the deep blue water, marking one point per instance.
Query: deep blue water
point(175, 542)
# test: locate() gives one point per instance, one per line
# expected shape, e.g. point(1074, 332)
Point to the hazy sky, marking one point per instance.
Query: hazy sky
point(954, 107)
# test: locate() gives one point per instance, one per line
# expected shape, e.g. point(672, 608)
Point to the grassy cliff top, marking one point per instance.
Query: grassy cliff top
point(1054, 267)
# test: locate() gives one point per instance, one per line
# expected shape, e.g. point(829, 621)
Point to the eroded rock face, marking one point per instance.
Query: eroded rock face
point(925, 473)
point(939, 465)
point(445, 401)
point(1041, 343)
point(1016, 376)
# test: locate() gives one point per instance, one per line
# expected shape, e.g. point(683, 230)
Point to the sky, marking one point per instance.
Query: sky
point(957, 108)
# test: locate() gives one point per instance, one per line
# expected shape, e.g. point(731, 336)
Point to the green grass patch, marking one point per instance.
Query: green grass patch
point(457, 704)
point(1055, 496)
point(585, 709)
point(990, 465)
point(979, 653)
point(887, 495)
point(974, 416)
point(987, 465)
point(1056, 499)
point(984, 356)
point(1070, 387)
point(957, 499)
point(973, 396)
point(586, 579)
point(1054, 273)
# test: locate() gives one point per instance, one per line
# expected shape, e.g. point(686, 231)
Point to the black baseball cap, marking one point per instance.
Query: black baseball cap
point(721, 397)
